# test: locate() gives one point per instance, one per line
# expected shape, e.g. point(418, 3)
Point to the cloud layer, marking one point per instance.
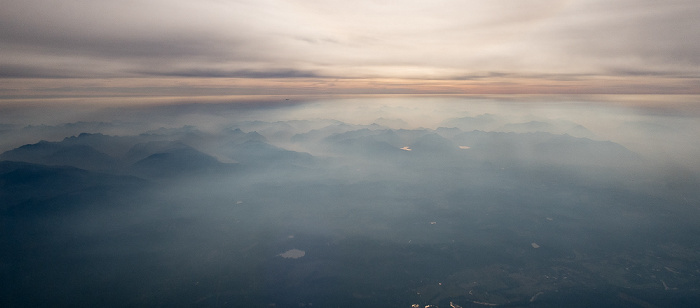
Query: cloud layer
point(550, 40)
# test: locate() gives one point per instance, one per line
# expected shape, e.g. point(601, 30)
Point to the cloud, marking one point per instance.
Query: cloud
point(288, 73)
point(30, 71)
point(639, 35)
point(366, 39)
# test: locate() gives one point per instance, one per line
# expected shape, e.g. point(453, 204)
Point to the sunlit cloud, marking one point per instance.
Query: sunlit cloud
point(540, 46)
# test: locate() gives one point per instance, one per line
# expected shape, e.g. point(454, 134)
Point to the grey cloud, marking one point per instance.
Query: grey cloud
point(646, 33)
point(29, 71)
point(311, 40)
point(624, 71)
point(481, 76)
point(121, 35)
point(167, 49)
point(248, 39)
point(281, 73)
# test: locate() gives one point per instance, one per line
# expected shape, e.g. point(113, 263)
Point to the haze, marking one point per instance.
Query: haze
point(373, 201)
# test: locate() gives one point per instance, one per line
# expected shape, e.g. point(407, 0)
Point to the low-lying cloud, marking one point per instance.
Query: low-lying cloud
point(221, 202)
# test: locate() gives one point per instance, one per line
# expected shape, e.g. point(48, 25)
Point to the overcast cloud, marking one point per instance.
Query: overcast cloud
point(436, 40)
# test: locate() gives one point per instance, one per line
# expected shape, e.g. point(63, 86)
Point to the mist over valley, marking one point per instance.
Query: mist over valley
point(354, 202)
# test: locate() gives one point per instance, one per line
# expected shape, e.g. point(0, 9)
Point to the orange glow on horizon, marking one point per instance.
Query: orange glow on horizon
point(27, 89)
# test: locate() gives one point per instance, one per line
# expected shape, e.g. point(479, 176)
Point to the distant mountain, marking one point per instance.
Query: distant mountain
point(448, 132)
point(237, 136)
point(62, 153)
point(68, 129)
point(114, 146)
point(396, 138)
point(557, 127)
point(433, 144)
point(31, 189)
point(260, 153)
point(187, 134)
point(147, 155)
point(316, 135)
point(253, 148)
point(434, 150)
point(393, 123)
point(296, 126)
point(4, 128)
point(366, 142)
point(581, 132)
point(481, 122)
point(142, 150)
point(583, 150)
point(173, 159)
point(544, 148)
point(284, 130)
point(528, 127)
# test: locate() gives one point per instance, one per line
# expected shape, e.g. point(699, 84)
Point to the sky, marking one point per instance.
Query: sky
point(85, 48)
